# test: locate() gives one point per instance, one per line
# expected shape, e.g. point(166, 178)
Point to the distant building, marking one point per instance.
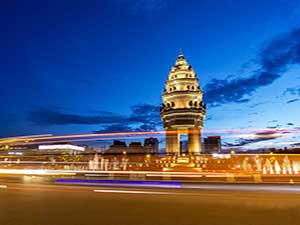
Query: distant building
point(212, 144)
point(151, 145)
point(118, 144)
point(118, 147)
point(47, 149)
point(61, 148)
point(135, 147)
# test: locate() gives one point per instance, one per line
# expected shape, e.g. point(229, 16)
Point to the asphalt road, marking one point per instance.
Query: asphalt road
point(27, 204)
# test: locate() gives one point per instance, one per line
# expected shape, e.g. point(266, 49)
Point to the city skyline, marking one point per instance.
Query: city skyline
point(94, 70)
point(145, 112)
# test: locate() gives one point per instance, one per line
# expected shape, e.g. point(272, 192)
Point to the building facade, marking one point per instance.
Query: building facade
point(135, 147)
point(151, 145)
point(183, 110)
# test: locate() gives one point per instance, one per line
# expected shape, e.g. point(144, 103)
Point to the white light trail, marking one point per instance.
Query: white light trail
point(244, 187)
point(34, 172)
point(132, 192)
point(3, 186)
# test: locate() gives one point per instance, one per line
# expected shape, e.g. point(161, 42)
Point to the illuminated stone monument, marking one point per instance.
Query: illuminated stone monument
point(183, 110)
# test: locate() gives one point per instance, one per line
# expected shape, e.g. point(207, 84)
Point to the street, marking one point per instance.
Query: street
point(34, 204)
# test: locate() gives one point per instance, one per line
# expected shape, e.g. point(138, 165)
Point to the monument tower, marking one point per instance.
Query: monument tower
point(183, 110)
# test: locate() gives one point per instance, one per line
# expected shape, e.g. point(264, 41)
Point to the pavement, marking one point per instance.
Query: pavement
point(210, 204)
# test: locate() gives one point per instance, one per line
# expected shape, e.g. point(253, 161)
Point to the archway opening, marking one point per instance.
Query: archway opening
point(183, 142)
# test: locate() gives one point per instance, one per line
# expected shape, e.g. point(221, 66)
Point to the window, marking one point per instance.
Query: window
point(173, 104)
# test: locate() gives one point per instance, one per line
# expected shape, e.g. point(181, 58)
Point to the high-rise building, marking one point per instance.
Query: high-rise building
point(151, 145)
point(183, 110)
point(212, 144)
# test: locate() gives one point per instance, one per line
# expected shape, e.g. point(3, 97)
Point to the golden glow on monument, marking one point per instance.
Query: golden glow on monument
point(183, 110)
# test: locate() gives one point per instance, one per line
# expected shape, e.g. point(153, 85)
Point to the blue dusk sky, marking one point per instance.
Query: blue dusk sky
point(78, 66)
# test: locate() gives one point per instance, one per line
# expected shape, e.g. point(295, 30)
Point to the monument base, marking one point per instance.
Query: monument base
point(181, 164)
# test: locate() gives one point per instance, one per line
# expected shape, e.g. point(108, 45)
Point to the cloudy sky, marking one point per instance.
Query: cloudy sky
point(99, 66)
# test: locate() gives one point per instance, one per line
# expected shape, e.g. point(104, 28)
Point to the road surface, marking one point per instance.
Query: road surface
point(28, 204)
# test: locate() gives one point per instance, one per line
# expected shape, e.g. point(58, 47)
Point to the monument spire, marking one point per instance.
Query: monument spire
point(180, 52)
point(181, 61)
